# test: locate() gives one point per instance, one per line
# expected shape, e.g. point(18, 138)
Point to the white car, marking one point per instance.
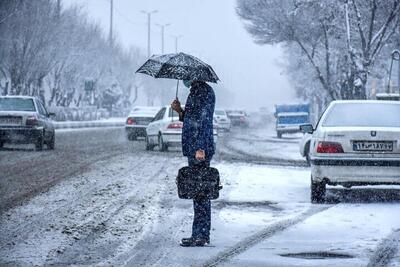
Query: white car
point(222, 120)
point(137, 121)
point(166, 130)
point(356, 142)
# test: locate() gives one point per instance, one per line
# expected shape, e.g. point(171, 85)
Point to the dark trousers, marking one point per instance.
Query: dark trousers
point(202, 210)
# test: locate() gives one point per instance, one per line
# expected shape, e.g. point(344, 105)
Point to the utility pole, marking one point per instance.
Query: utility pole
point(111, 22)
point(162, 26)
point(149, 29)
point(176, 37)
point(58, 9)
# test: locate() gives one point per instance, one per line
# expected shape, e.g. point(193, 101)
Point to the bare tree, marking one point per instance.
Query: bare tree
point(340, 40)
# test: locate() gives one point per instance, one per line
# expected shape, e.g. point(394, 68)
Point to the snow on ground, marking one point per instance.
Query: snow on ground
point(253, 198)
point(125, 212)
point(93, 218)
point(350, 230)
point(262, 142)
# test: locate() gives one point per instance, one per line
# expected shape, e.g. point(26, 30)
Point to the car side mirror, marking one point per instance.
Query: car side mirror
point(307, 128)
point(51, 114)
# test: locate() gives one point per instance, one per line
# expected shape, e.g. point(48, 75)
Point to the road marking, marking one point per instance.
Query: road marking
point(386, 250)
point(262, 235)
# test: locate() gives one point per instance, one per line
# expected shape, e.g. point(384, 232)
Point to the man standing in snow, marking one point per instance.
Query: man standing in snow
point(198, 147)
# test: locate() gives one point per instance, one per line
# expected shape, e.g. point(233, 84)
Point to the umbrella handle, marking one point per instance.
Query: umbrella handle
point(177, 86)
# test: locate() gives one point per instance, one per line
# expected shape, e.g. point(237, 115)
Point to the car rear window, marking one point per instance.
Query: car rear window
point(220, 112)
point(17, 104)
point(363, 115)
point(173, 113)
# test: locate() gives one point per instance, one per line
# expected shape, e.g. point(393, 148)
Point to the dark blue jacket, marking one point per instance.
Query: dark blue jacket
point(197, 132)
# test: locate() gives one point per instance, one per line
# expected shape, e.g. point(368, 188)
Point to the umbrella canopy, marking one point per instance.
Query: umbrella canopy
point(179, 66)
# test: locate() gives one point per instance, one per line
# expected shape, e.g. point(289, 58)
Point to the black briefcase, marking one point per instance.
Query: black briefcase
point(198, 181)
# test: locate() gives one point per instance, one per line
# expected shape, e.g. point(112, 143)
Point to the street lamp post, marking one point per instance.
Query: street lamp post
point(162, 26)
point(395, 56)
point(176, 37)
point(149, 28)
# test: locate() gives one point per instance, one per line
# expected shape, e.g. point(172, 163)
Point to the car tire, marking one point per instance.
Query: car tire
point(148, 145)
point(132, 137)
point(1, 144)
point(161, 145)
point(318, 190)
point(307, 153)
point(39, 143)
point(279, 134)
point(52, 143)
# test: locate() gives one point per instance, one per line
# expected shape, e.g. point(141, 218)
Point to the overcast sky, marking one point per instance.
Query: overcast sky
point(212, 31)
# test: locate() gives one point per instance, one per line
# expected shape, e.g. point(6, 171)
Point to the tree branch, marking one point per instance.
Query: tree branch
point(316, 68)
point(360, 30)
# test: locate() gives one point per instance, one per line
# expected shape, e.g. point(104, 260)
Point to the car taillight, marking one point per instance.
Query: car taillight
point(130, 121)
point(329, 147)
point(31, 121)
point(175, 125)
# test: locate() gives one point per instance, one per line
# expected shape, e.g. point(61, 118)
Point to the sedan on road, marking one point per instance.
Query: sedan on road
point(222, 120)
point(166, 130)
point(137, 121)
point(355, 143)
point(24, 120)
point(238, 118)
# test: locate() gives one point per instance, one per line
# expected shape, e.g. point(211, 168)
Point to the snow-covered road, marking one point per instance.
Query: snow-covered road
point(123, 210)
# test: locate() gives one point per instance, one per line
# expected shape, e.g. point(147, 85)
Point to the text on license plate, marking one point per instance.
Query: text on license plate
point(10, 120)
point(373, 146)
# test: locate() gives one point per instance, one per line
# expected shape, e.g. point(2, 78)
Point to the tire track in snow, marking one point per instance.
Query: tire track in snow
point(242, 156)
point(267, 232)
point(386, 250)
point(19, 233)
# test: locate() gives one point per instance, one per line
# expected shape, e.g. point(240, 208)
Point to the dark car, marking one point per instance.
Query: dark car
point(137, 121)
point(238, 118)
point(24, 120)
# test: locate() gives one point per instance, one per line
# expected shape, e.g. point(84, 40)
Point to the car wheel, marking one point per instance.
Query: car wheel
point(1, 144)
point(148, 145)
point(161, 145)
point(317, 191)
point(52, 143)
point(307, 153)
point(132, 137)
point(279, 134)
point(39, 143)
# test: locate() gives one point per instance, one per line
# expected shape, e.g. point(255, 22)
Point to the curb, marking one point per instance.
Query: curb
point(87, 124)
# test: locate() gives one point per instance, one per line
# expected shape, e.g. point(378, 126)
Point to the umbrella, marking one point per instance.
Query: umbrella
point(178, 66)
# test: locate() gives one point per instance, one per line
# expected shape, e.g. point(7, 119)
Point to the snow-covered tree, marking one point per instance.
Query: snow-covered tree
point(337, 42)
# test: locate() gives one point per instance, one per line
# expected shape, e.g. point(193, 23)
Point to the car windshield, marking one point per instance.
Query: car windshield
point(16, 104)
point(220, 112)
point(363, 115)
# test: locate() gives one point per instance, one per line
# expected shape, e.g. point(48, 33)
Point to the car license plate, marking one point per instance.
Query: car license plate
point(379, 146)
point(10, 120)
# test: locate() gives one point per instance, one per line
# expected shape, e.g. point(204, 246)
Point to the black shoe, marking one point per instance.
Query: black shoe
point(195, 242)
point(188, 242)
point(201, 241)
